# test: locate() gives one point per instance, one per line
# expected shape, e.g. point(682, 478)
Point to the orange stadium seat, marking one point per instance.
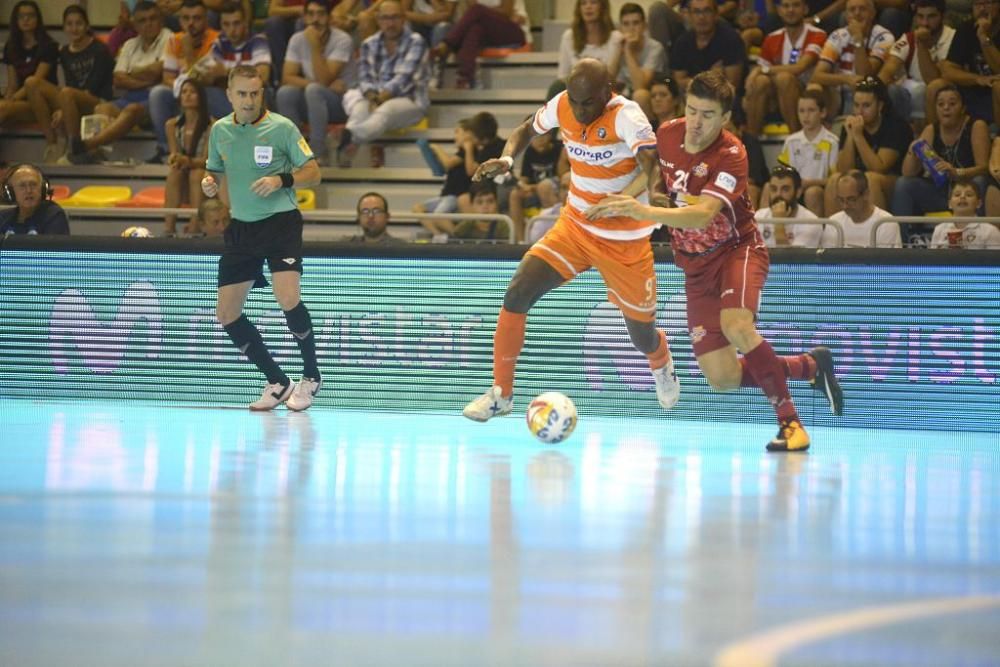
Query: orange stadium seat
point(503, 52)
point(60, 192)
point(153, 197)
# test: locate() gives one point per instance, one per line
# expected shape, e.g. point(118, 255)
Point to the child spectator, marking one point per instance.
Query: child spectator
point(187, 138)
point(213, 218)
point(484, 201)
point(88, 70)
point(964, 203)
point(456, 178)
point(538, 187)
point(812, 151)
point(29, 52)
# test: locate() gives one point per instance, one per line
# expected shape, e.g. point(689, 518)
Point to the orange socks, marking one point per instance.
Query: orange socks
point(507, 343)
point(660, 357)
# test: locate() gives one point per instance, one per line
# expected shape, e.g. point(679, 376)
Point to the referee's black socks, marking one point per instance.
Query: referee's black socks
point(249, 341)
point(300, 324)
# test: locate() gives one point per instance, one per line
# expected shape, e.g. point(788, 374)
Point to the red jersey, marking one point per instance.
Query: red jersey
point(718, 171)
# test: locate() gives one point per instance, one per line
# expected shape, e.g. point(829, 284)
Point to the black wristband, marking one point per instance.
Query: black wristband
point(287, 180)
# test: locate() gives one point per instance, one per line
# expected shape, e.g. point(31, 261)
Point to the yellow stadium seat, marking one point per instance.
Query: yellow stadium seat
point(775, 129)
point(423, 124)
point(99, 196)
point(306, 199)
point(938, 214)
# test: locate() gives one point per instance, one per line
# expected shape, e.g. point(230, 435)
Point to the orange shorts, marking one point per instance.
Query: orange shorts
point(626, 266)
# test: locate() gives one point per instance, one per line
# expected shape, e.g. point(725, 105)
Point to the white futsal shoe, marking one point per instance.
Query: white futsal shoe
point(668, 387)
point(302, 396)
point(489, 405)
point(273, 396)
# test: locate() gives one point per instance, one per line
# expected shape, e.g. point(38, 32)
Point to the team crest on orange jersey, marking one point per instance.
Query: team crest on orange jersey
point(602, 133)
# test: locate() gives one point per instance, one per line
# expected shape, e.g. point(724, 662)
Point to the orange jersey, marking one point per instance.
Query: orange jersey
point(602, 160)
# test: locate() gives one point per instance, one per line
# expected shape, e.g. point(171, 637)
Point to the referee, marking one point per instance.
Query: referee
point(255, 158)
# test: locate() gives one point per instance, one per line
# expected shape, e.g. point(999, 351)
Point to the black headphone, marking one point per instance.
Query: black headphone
point(7, 192)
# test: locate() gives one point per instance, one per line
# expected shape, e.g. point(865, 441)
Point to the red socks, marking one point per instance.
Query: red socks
point(767, 370)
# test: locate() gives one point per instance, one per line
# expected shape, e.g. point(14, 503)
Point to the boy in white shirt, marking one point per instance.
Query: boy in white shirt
point(812, 151)
point(964, 203)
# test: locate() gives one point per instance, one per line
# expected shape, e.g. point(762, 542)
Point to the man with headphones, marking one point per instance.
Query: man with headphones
point(34, 211)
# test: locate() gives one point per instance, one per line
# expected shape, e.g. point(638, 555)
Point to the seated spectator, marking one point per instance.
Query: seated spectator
point(543, 163)
point(665, 22)
point(431, 18)
point(485, 23)
point(859, 216)
point(973, 62)
point(962, 146)
point(170, 11)
point(964, 202)
point(665, 100)
point(357, 18)
point(812, 151)
point(187, 137)
point(640, 56)
point(873, 140)
point(709, 44)
point(850, 54)
point(212, 218)
point(28, 52)
point(993, 192)
point(786, 191)
point(123, 30)
point(234, 46)
point(188, 55)
point(591, 34)
point(456, 181)
point(536, 227)
point(313, 82)
point(912, 64)
point(284, 19)
point(373, 218)
point(392, 83)
point(783, 68)
point(88, 69)
point(484, 145)
point(484, 201)
point(138, 69)
point(34, 211)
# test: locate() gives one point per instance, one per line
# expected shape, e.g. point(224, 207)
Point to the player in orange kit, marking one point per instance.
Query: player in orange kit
point(610, 146)
point(723, 256)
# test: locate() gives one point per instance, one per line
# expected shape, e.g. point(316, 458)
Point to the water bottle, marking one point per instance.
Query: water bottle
point(929, 158)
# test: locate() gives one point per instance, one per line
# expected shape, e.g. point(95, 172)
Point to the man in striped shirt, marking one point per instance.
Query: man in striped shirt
point(609, 143)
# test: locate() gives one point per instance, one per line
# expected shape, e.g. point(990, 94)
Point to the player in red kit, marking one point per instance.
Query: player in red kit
point(724, 258)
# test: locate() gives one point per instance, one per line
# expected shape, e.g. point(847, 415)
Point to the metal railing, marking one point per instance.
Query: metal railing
point(316, 216)
point(824, 222)
point(921, 220)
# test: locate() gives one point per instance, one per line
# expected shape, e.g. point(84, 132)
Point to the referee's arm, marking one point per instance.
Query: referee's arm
point(305, 176)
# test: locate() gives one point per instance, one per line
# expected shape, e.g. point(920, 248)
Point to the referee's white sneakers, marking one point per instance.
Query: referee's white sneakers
point(668, 387)
point(273, 396)
point(305, 390)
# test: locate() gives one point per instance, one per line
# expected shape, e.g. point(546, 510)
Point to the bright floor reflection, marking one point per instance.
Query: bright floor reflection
point(159, 535)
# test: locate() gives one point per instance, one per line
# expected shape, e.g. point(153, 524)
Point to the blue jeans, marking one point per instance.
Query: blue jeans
point(441, 204)
point(315, 103)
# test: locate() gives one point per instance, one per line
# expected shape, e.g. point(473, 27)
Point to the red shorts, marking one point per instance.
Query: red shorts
point(734, 279)
point(626, 266)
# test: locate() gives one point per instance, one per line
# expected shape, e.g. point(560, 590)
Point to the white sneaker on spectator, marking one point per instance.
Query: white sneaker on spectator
point(305, 390)
point(489, 405)
point(52, 154)
point(668, 387)
point(272, 396)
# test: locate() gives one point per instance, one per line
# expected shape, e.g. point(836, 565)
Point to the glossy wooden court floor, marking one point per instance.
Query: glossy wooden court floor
point(149, 535)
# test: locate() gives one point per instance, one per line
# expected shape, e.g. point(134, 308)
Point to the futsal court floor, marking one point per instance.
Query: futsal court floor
point(144, 534)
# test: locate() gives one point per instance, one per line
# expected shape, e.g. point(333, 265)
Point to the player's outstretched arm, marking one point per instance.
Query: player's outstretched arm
point(692, 216)
point(516, 142)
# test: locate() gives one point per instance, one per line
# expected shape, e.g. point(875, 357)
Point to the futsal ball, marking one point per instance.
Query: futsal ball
point(551, 417)
point(136, 233)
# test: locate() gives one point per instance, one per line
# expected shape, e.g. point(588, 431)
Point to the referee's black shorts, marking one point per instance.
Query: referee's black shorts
point(277, 239)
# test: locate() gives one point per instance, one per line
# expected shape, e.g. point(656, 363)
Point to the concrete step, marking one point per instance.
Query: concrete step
point(451, 96)
point(507, 115)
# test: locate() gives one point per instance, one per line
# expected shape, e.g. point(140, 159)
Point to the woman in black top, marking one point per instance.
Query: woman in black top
point(88, 70)
point(962, 145)
point(30, 51)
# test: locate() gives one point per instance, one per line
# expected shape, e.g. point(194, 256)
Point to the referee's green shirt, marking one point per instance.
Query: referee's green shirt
point(272, 145)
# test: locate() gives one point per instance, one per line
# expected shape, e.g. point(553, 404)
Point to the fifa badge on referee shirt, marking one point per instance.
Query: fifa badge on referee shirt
point(262, 155)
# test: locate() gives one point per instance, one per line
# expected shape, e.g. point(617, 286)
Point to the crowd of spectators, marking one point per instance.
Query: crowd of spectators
point(886, 106)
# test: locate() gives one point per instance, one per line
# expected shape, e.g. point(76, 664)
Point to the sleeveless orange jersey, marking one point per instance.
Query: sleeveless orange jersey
point(602, 160)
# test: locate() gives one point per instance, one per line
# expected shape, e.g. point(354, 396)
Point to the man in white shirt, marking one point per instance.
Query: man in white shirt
point(912, 64)
point(313, 79)
point(859, 217)
point(964, 203)
point(786, 189)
